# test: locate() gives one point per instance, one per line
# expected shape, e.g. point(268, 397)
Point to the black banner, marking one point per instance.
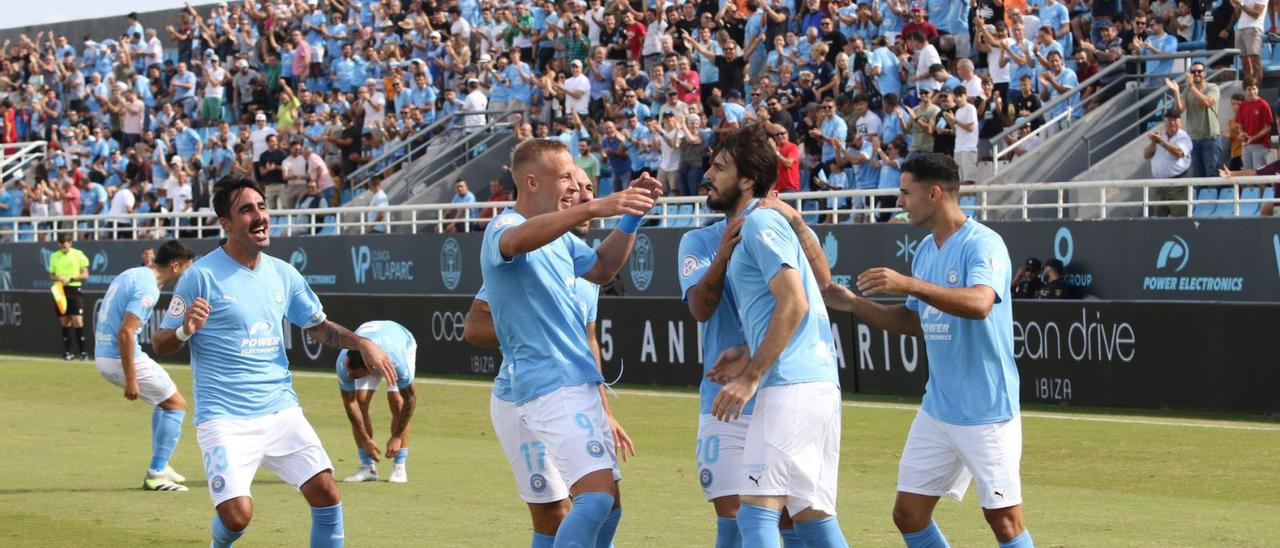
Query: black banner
point(1234, 260)
point(1212, 356)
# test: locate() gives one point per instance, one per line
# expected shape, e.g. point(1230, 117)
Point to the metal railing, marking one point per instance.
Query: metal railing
point(413, 147)
point(1120, 76)
point(818, 207)
point(16, 157)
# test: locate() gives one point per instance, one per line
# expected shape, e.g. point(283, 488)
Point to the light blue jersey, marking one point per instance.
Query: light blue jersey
point(393, 339)
point(237, 359)
point(587, 295)
point(536, 311)
point(768, 245)
point(722, 330)
point(135, 292)
point(973, 378)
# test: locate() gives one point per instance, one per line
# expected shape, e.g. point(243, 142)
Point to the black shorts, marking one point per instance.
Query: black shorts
point(75, 302)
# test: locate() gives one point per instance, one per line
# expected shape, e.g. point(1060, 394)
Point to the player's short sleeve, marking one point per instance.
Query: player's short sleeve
point(584, 257)
point(492, 248)
point(987, 263)
point(694, 259)
point(483, 294)
point(590, 295)
point(770, 242)
point(345, 383)
point(82, 260)
point(142, 300)
point(303, 308)
point(189, 287)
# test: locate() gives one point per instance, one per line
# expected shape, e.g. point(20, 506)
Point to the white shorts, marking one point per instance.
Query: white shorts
point(939, 460)
point(793, 446)
point(154, 384)
point(371, 382)
point(233, 449)
point(719, 455)
point(571, 424)
point(537, 480)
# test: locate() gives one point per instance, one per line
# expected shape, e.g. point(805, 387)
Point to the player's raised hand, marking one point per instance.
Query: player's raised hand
point(622, 443)
point(632, 201)
point(730, 364)
point(886, 281)
point(647, 182)
point(378, 360)
point(772, 202)
point(196, 316)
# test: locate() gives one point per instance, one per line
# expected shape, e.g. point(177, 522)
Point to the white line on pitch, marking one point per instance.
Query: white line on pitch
point(1115, 419)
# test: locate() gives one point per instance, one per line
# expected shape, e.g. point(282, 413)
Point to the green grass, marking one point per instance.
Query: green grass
point(72, 453)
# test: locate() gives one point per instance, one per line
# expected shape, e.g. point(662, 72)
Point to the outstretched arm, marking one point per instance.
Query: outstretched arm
point(333, 335)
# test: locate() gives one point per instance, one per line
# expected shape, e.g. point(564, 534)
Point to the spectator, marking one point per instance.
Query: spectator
point(497, 193)
point(922, 118)
point(1198, 106)
point(888, 159)
point(475, 102)
point(294, 170)
point(1056, 285)
point(1254, 119)
point(614, 148)
point(1252, 14)
point(379, 217)
point(587, 159)
point(668, 136)
point(1158, 43)
point(269, 171)
point(1170, 154)
point(788, 159)
point(1057, 80)
point(461, 196)
point(1026, 282)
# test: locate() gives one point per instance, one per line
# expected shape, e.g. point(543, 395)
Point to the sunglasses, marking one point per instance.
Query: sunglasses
point(778, 134)
point(1197, 71)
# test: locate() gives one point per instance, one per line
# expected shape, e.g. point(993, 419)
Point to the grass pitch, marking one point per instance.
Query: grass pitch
point(73, 452)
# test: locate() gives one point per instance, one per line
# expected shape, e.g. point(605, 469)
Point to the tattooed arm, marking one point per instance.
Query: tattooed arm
point(333, 335)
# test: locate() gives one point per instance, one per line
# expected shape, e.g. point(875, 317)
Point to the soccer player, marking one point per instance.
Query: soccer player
point(529, 261)
point(541, 487)
point(968, 425)
point(703, 259)
point(69, 267)
point(357, 385)
point(791, 451)
point(229, 307)
point(120, 360)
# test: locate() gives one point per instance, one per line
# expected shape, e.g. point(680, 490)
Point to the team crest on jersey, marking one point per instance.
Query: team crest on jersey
point(148, 301)
point(687, 265)
point(217, 484)
point(538, 483)
point(595, 448)
point(177, 307)
point(278, 297)
point(504, 221)
point(705, 477)
point(952, 278)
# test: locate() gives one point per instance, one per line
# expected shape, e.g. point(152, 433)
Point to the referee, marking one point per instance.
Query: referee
point(70, 267)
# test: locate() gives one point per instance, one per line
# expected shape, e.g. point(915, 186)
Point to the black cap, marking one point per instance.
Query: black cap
point(1054, 264)
point(1033, 264)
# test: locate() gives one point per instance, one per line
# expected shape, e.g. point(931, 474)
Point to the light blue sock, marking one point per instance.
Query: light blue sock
point(402, 455)
point(1021, 541)
point(542, 541)
point(582, 526)
point(326, 526)
point(166, 428)
point(607, 529)
point(791, 539)
point(820, 533)
point(364, 457)
point(223, 537)
point(929, 537)
point(727, 535)
point(759, 526)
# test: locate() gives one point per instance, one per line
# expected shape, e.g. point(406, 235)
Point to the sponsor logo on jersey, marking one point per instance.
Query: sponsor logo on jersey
point(687, 265)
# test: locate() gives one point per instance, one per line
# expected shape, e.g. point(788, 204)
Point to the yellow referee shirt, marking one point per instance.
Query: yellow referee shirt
point(68, 265)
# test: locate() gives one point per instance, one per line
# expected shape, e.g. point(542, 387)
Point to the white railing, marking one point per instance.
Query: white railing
point(11, 163)
point(1074, 200)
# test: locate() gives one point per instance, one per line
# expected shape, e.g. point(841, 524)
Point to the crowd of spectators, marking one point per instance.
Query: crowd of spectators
point(299, 94)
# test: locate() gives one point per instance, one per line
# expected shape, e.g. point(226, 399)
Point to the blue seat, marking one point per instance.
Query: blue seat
point(810, 205)
point(1251, 193)
point(969, 204)
point(1197, 41)
point(278, 225)
point(328, 227)
point(24, 233)
point(1268, 194)
point(1201, 209)
point(1228, 208)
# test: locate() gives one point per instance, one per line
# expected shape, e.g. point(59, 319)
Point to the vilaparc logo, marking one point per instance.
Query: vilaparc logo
point(377, 265)
point(642, 263)
point(298, 259)
point(1173, 250)
point(100, 261)
point(451, 263)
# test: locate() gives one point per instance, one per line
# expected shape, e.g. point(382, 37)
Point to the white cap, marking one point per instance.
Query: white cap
point(261, 117)
point(485, 58)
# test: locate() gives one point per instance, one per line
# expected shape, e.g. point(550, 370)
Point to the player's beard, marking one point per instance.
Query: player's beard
point(723, 200)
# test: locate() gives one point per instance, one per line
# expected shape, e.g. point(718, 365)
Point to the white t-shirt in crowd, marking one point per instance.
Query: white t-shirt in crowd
point(967, 141)
point(1249, 22)
point(670, 152)
point(258, 139)
point(122, 203)
point(215, 83)
point(868, 124)
point(475, 101)
point(999, 74)
point(581, 105)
